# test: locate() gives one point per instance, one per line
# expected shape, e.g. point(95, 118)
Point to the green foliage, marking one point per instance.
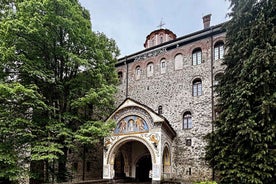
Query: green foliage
point(16, 125)
point(49, 44)
point(93, 131)
point(243, 146)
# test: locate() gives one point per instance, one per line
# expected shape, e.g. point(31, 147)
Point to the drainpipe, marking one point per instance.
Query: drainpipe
point(212, 90)
point(126, 76)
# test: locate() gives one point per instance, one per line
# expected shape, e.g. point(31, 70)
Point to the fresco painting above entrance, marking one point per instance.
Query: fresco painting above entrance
point(131, 124)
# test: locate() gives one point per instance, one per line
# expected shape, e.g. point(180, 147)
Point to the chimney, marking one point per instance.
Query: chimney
point(206, 20)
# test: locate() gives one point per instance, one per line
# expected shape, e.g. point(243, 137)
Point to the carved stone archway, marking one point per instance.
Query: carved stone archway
point(139, 130)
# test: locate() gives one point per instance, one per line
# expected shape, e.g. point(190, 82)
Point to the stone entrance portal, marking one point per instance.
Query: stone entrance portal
point(132, 160)
point(135, 148)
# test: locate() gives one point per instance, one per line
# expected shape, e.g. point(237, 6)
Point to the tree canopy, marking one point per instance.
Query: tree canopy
point(66, 74)
point(242, 148)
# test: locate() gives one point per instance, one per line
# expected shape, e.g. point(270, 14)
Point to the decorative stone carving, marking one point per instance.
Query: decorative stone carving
point(153, 53)
point(154, 139)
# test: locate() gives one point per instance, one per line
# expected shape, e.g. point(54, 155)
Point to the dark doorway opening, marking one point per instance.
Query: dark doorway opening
point(119, 165)
point(143, 168)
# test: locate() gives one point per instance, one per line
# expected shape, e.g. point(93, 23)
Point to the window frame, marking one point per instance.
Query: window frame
point(150, 69)
point(187, 122)
point(163, 66)
point(219, 50)
point(120, 77)
point(197, 56)
point(197, 87)
point(137, 72)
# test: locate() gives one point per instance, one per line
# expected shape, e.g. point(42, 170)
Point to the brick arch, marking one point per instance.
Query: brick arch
point(219, 39)
point(186, 110)
point(165, 56)
point(195, 45)
point(218, 72)
point(175, 53)
point(134, 65)
point(196, 77)
point(196, 49)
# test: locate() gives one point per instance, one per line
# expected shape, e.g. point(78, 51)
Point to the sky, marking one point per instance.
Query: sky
point(129, 22)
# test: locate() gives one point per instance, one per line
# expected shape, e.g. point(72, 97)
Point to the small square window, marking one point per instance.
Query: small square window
point(189, 171)
point(188, 142)
point(160, 110)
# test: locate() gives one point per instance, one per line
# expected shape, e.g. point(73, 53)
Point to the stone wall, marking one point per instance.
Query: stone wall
point(85, 163)
point(172, 90)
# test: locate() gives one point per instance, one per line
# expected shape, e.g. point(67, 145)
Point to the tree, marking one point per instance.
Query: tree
point(16, 107)
point(50, 44)
point(242, 147)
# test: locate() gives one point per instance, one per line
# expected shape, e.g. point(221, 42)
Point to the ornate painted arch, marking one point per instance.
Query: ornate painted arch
point(114, 148)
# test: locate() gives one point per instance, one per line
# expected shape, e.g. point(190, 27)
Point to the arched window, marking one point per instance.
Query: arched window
point(137, 73)
point(150, 69)
point(197, 56)
point(219, 50)
point(161, 39)
point(120, 77)
point(166, 157)
point(217, 78)
point(163, 66)
point(187, 120)
point(197, 87)
point(178, 62)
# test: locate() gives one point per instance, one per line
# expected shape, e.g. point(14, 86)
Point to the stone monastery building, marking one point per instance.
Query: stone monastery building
point(165, 106)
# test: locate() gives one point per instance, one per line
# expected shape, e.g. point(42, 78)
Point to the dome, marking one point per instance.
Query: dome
point(158, 37)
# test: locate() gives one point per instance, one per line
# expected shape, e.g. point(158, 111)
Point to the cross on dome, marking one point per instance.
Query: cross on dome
point(161, 24)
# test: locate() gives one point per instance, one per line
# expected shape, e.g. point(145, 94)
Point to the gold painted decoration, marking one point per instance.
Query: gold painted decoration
point(131, 124)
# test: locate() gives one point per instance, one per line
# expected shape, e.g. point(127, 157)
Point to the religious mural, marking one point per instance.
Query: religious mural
point(131, 124)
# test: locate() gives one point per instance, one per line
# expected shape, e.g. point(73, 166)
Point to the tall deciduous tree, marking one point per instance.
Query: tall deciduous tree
point(16, 108)
point(243, 146)
point(50, 44)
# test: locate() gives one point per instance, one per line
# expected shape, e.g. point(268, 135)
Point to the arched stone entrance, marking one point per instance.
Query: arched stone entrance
point(132, 160)
point(135, 148)
point(123, 156)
